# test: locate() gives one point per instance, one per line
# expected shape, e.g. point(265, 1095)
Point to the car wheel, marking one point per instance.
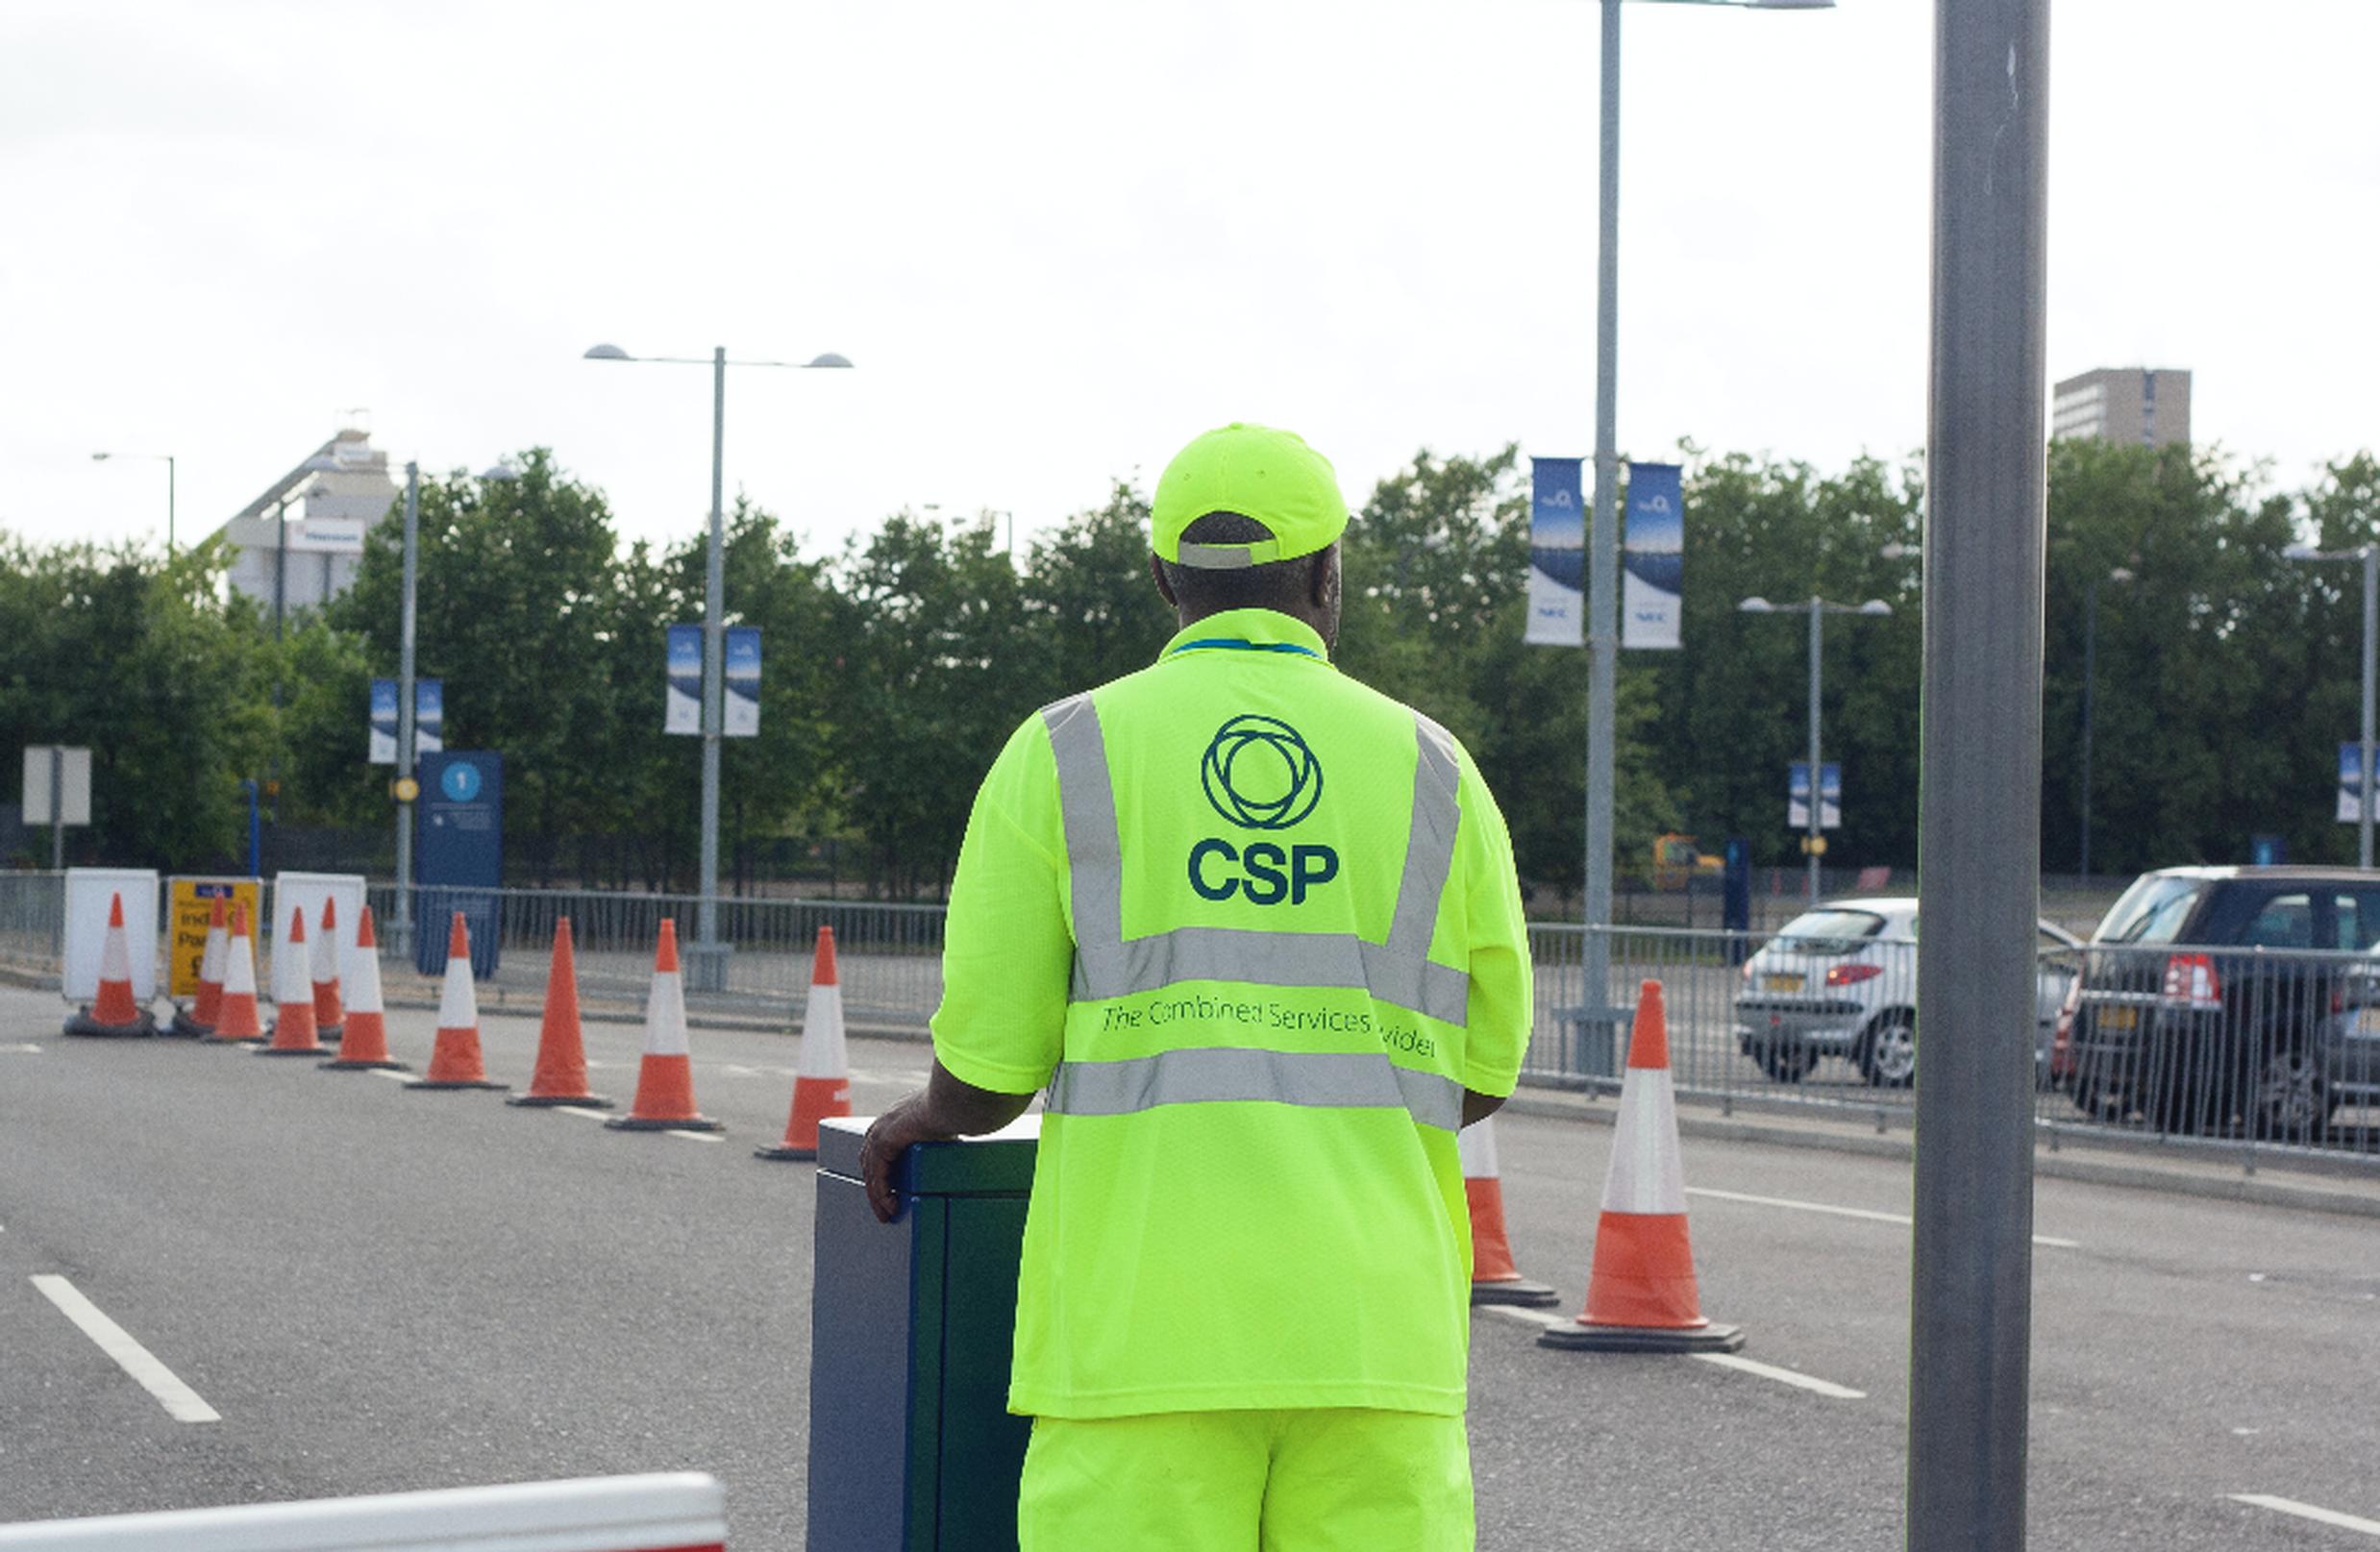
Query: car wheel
point(1785, 1064)
point(2286, 1097)
point(1889, 1055)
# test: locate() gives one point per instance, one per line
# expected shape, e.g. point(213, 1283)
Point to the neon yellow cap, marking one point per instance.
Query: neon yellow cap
point(1268, 475)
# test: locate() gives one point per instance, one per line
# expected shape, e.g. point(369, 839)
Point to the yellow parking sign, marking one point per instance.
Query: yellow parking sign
point(191, 907)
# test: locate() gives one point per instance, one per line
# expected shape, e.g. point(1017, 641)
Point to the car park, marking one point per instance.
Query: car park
point(1840, 980)
point(2223, 998)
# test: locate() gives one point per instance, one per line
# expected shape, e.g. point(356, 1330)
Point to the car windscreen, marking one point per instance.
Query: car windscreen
point(1829, 931)
point(2151, 911)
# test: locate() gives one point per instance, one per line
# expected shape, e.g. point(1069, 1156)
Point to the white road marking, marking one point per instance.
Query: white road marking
point(389, 1072)
point(2322, 1516)
point(1783, 1376)
point(180, 1402)
point(1547, 1319)
point(698, 1137)
point(582, 1111)
point(24, 1046)
point(1870, 1213)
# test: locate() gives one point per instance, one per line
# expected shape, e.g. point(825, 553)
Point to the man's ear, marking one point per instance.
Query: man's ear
point(1318, 582)
point(1157, 575)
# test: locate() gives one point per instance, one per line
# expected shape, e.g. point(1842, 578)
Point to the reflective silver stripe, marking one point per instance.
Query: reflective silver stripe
point(1305, 959)
point(1329, 1080)
point(1089, 806)
point(1430, 845)
point(1228, 557)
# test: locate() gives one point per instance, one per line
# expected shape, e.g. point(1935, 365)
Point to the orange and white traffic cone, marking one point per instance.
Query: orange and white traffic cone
point(114, 1011)
point(1493, 1278)
point(1640, 1294)
point(822, 1083)
point(363, 1038)
point(236, 1016)
point(293, 995)
point(561, 1075)
point(198, 1020)
point(328, 1016)
point(665, 1083)
point(455, 1059)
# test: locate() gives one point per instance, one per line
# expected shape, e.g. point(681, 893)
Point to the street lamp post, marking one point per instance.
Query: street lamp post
point(168, 459)
point(706, 957)
point(2370, 556)
point(1817, 608)
point(2089, 696)
point(1603, 552)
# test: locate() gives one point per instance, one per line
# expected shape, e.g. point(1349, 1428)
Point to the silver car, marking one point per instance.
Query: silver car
point(1842, 980)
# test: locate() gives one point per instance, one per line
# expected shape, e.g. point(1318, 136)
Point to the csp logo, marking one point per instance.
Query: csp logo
point(1260, 775)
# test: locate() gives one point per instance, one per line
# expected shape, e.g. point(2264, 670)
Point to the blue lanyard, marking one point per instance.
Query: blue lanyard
point(1237, 645)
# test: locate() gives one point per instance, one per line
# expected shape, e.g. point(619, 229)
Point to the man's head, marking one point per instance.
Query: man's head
point(1249, 517)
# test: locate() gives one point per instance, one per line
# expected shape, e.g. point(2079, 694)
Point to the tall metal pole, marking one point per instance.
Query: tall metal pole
point(1979, 792)
point(2091, 680)
point(1818, 787)
point(714, 669)
point(1603, 555)
point(2372, 624)
point(403, 926)
point(169, 506)
point(58, 808)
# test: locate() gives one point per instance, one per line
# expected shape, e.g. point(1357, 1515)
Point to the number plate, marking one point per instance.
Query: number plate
point(1782, 983)
point(2119, 1018)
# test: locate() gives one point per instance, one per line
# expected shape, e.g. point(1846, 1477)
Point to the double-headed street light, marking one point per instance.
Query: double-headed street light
point(1603, 552)
point(1817, 608)
point(706, 958)
point(168, 459)
point(2370, 556)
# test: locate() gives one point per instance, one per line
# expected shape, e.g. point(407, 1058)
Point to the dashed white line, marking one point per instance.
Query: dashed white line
point(2320, 1517)
point(1870, 1213)
point(1546, 1319)
point(180, 1401)
point(698, 1137)
point(389, 1072)
point(582, 1112)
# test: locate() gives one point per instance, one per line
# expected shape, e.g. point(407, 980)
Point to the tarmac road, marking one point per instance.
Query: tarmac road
point(378, 1290)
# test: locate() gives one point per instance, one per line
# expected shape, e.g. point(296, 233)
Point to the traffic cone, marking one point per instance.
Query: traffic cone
point(665, 1083)
point(114, 1012)
point(1493, 1278)
point(455, 1059)
point(327, 1014)
point(1641, 1292)
point(822, 1083)
point(236, 1016)
point(293, 995)
point(198, 1020)
point(364, 1039)
point(560, 1075)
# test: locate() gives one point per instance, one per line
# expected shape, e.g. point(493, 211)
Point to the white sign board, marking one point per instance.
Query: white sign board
point(89, 890)
point(74, 777)
point(310, 891)
point(330, 535)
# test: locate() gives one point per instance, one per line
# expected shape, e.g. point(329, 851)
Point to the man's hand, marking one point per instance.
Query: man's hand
point(943, 1109)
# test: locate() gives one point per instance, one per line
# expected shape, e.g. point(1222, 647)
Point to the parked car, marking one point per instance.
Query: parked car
point(2214, 997)
point(1841, 980)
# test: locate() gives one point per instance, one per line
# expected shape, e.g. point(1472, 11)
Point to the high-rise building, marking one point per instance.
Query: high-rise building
point(2123, 403)
point(297, 546)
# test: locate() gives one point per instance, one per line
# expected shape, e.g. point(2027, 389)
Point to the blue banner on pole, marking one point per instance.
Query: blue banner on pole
point(1654, 568)
point(2351, 784)
point(742, 710)
point(459, 851)
point(683, 712)
point(1797, 796)
point(1557, 553)
point(428, 720)
point(383, 746)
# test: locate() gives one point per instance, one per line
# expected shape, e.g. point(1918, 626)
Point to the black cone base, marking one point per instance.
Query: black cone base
point(785, 1152)
point(1519, 1290)
point(455, 1083)
point(140, 1028)
point(641, 1123)
point(1637, 1338)
point(186, 1027)
point(584, 1102)
point(295, 1051)
point(342, 1065)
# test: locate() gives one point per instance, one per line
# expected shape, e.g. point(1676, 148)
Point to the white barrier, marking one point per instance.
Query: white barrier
point(310, 890)
point(680, 1511)
point(88, 891)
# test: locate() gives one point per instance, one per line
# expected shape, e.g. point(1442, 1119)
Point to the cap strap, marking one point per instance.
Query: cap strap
point(1230, 556)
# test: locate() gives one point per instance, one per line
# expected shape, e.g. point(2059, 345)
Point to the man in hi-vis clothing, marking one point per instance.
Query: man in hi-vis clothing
point(1255, 929)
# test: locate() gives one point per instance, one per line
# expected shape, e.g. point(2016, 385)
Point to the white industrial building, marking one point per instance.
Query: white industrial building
point(297, 546)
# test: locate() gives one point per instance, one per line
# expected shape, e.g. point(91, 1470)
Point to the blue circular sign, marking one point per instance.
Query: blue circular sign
point(460, 782)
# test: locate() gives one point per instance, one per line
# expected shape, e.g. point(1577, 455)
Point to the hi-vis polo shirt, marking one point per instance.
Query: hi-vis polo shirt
point(1255, 927)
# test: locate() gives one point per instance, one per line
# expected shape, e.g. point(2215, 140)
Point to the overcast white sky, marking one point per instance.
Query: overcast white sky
point(1058, 241)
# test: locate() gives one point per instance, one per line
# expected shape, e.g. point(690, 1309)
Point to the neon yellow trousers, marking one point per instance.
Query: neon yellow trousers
point(1293, 1480)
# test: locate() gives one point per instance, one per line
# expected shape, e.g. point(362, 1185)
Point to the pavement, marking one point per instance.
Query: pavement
point(375, 1289)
